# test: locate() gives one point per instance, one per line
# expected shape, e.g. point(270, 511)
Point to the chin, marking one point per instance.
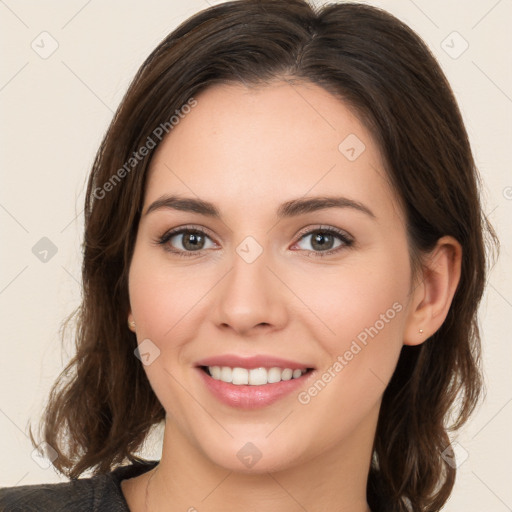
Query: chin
point(256, 456)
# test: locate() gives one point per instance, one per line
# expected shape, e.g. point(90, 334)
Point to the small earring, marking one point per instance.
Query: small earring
point(421, 331)
point(131, 324)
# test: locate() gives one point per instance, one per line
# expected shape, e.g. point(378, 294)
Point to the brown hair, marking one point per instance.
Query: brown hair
point(102, 407)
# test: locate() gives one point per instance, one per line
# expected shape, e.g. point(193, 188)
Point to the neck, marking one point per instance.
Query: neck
point(186, 480)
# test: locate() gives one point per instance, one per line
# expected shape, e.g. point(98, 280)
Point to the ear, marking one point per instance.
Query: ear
point(433, 294)
point(131, 322)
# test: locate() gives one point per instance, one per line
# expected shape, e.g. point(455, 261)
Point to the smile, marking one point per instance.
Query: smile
point(254, 376)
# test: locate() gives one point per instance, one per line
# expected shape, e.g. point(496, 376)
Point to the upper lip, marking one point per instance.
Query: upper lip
point(259, 361)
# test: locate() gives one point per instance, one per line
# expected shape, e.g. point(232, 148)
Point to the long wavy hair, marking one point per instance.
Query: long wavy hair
point(102, 406)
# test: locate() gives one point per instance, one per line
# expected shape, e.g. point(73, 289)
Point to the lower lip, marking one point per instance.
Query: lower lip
point(251, 397)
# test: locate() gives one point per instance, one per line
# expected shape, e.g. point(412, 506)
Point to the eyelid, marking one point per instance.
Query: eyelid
point(311, 229)
point(188, 227)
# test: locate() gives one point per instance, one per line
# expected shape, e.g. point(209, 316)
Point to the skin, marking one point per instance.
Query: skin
point(248, 150)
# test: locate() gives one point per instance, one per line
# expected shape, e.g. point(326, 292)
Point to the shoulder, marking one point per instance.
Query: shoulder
point(76, 495)
point(100, 492)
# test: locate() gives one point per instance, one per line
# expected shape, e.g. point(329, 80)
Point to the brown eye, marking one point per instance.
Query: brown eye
point(185, 241)
point(324, 241)
point(191, 241)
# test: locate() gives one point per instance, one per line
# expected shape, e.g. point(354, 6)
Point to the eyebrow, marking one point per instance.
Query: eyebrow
point(291, 208)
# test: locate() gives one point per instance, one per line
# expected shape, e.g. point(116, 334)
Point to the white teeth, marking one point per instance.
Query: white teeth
point(296, 374)
point(257, 376)
point(287, 374)
point(254, 376)
point(240, 376)
point(226, 374)
point(216, 372)
point(274, 375)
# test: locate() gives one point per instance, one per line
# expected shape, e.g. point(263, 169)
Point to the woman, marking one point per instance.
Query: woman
point(283, 259)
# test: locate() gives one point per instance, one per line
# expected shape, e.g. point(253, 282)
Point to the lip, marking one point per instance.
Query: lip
point(259, 361)
point(251, 397)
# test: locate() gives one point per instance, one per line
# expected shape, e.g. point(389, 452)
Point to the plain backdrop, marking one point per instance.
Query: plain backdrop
point(66, 66)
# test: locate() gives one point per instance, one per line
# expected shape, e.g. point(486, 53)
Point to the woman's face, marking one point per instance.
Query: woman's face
point(271, 238)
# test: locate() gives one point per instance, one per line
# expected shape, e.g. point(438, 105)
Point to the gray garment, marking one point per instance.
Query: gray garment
point(95, 494)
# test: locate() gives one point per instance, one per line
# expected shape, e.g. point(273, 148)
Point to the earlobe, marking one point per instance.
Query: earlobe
point(131, 322)
point(432, 297)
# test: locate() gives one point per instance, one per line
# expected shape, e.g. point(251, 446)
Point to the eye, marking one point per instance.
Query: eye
point(183, 241)
point(324, 241)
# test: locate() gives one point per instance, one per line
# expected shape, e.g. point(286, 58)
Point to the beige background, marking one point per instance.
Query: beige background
point(55, 111)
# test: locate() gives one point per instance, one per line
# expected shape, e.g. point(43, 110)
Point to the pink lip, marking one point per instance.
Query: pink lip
point(251, 397)
point(260, 361)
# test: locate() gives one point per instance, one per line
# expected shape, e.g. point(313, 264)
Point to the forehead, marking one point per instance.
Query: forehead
point(258, 146)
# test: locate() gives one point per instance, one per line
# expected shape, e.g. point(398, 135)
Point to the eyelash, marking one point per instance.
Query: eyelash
point(346, 240)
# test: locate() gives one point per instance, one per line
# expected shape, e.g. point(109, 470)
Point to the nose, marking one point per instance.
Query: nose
point(251, 299)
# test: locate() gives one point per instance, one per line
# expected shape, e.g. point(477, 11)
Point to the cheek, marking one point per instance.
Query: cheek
point(366, 313)
point(360, 317)
point(161, 301)
point(161, 296)
point(351, 301)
